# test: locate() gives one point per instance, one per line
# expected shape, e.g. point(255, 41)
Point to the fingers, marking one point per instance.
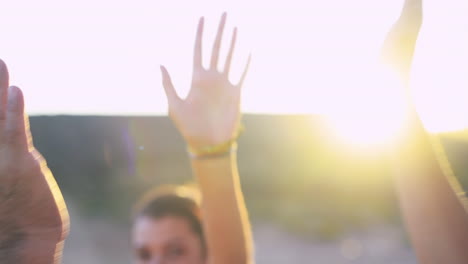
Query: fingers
point(227, 65)
point(171, 94)
point(217, 43)
point(3, 90)
point(197, 58)
point(244, 74)
point(15, 127)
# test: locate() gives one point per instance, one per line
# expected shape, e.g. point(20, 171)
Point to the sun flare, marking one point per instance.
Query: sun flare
point(309, 57)
point(372, 113)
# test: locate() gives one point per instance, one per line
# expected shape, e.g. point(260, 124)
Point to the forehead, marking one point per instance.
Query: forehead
point(163, 230)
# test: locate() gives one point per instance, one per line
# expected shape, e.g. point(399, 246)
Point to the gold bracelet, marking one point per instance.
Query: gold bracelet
point(218, 150)
point(219, 153)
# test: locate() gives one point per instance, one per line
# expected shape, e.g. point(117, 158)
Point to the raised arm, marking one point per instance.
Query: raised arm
point(435, 217)
point(209, 120)
point(33, 217)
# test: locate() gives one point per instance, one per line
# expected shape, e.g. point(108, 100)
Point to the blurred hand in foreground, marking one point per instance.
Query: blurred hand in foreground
point(33, 217)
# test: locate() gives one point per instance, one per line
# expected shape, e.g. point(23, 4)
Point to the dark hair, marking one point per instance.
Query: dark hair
point(173, 201)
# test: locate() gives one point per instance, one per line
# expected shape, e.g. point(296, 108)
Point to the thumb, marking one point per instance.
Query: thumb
point(171, 94)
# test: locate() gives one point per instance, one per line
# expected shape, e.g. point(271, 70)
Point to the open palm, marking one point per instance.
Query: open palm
point(211, 112)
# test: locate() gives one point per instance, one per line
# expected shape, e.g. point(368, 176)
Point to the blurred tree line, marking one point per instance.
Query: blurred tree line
point(293, 172)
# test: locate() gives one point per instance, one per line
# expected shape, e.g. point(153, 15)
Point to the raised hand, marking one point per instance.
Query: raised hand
point(429, 204)
point(397, 53)
point(208, 118)
point(210, 114)
point(399, 45)
point(33, 216)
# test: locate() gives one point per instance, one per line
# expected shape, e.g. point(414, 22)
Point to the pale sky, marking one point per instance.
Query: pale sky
point(440, 67)
point(103, 56)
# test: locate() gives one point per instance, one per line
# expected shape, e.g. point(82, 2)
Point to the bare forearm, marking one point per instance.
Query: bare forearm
point(225, 217)
point(436, 219)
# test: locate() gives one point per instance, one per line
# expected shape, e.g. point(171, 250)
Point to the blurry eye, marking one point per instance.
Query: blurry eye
point(143, 254)
point(175, 251)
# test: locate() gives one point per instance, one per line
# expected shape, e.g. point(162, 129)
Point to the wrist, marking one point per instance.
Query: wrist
point(211, 149)
point(223, 150)
point(220, 167)
point(416, 149)
point(412, 134)
point(210, 140)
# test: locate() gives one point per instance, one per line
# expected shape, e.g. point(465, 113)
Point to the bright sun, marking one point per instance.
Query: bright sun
point(309, 57)
point(373, 112)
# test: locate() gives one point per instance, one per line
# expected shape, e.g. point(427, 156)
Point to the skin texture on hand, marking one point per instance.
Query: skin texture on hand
point(210, 114)
point(33, 217)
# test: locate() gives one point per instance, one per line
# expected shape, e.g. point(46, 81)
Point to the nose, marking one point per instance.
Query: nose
point(156, 260)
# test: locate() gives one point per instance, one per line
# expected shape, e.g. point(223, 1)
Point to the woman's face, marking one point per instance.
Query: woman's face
point(166, 240)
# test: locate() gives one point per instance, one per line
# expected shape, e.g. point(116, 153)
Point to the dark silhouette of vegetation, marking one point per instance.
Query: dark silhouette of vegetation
point(291, 174)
